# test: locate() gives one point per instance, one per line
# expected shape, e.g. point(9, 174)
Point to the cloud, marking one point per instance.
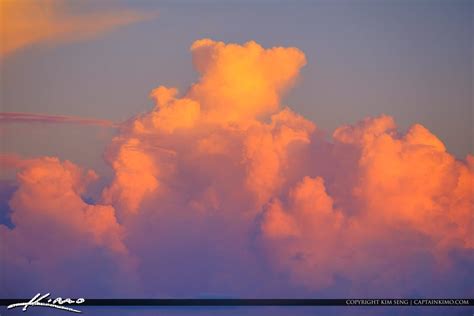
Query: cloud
point(7, 117)
point(218, 107)
point(29, 22)
point(239, 82)
point(225, 190)
point(53, 224)
point(414, 200)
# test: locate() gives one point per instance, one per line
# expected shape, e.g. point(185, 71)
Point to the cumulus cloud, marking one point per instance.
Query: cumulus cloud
point(53, 224)
point(240, 82)
point(414, 199)
point(222, 110)
point(226, 190)
point(29, 22)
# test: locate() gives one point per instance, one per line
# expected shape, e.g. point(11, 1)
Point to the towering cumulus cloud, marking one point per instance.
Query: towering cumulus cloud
point(224, 190)
point(220, 118)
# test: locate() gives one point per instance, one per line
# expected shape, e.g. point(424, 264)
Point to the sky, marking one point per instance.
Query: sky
point(325, 146)
point(408, 59)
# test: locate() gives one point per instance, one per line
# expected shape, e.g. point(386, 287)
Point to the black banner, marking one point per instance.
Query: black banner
point(263, 302)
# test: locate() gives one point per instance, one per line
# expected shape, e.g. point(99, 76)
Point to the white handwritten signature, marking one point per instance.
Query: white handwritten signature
point(56, 303)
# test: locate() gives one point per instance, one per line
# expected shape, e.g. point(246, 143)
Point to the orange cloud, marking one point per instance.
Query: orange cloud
point(238, 85)
point(24, 23)
point(411, 179)
point(306, 236)
point(135, 176)
point(240, 82)
point(49, 195)
point(229, 146)
point(52, 224)
point(407, 185)
point(226, 173)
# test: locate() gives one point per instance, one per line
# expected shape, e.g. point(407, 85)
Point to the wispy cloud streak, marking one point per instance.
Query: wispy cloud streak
point(6, 117)
point(25, 23)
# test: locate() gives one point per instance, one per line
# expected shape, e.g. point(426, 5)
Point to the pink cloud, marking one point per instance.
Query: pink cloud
point(224, 189)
